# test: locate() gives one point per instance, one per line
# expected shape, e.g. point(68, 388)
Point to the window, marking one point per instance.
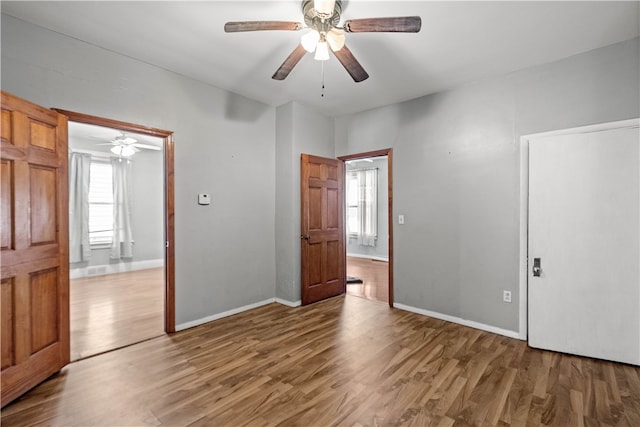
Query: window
point(352, 203)
point(100, 203)
point(362, 205)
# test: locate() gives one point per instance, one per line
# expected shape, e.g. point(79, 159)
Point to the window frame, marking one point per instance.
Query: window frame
point(351, 176)
point(93, 242)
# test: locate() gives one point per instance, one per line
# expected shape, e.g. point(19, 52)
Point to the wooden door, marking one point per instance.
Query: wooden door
point(323, 247)
point(34, 245)
point(584, 218)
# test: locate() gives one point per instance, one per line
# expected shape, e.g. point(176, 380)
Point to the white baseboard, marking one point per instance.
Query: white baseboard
point(292, 304)
point(121, 267)
point(228, 313)
point(374, 257)
point(453, 319)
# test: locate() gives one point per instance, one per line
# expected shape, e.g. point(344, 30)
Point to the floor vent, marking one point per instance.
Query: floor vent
point(94, 271)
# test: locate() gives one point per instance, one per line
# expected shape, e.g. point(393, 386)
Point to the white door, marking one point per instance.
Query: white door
point(584, 199)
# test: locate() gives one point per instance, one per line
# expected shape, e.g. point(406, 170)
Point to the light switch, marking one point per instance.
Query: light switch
point(204, 199)
point(401, 219)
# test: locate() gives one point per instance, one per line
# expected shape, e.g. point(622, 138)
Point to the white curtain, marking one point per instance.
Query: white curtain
point(122, 243)
point(79, 176)
point(368, 206)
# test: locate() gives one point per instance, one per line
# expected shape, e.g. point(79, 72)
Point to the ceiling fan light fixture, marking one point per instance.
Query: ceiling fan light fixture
point(322, 51)
point(310, 40)
point(123, 150)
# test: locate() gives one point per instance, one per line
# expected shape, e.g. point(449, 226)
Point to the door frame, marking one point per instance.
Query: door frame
point(169, 189)
point(525, 140)
point(379, 153)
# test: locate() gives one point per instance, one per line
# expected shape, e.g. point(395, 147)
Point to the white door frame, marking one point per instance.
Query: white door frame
point(524, 204)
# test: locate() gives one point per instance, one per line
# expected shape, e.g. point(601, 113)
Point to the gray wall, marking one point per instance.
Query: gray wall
point(147, 191)
point(299, 130)
point(456, 173)
point(224, 145)
point(381, 248)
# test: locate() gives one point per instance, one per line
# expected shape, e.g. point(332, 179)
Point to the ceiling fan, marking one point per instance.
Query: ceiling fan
point(323, 18)
point(126, 146)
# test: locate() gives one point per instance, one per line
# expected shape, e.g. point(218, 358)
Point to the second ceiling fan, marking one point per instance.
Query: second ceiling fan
point(323, 18)
point(126, 146)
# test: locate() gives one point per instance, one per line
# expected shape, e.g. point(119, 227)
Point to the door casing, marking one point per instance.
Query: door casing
point(167, 136)
point(379, 153)
point(524, 206)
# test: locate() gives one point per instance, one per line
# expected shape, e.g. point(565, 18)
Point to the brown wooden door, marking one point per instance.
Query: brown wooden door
point(34, 245)
point(323, 237)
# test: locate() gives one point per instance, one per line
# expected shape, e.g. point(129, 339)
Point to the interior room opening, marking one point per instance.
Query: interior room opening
point(116, 238)
point(367, 227)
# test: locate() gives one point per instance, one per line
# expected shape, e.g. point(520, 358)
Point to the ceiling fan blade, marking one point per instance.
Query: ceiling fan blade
point(401, 24)
point(288, 64)
point(148, 147)
point(235, 27)
point(351, 64)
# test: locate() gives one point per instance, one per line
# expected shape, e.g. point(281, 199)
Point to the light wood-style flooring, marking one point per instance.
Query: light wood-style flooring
point(375, 278)
point(112, 311)
point(344, 361)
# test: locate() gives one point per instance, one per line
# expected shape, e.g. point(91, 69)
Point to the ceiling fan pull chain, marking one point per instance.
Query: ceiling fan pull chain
point(322, 91)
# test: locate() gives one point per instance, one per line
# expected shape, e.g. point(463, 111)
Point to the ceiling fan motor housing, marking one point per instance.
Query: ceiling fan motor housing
point(319, 22)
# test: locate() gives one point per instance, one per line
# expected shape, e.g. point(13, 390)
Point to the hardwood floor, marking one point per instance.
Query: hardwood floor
point(108, 312)
point(345, 361)
point(375, 279)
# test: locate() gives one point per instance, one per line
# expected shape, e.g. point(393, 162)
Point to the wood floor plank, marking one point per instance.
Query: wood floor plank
point(115, 310)
point(374, 275)
point(345, 361)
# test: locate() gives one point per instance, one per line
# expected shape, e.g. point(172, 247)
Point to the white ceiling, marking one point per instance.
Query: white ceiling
point(97, 138)
point(459, 42)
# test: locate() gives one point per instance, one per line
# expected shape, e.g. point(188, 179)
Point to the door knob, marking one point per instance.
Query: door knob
point(307, 237)
point(537, 270)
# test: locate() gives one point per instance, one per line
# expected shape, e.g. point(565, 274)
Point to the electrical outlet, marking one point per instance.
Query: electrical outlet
point(506, 296)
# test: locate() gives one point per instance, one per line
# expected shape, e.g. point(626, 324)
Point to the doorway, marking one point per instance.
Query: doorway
point(121, 263)
point(369, 226)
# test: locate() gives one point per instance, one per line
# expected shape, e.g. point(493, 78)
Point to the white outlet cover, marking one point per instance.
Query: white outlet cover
point(506, 296)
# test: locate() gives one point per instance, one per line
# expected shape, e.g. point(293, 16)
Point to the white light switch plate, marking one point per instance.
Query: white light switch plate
point(401, 219)
point(204, 199)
